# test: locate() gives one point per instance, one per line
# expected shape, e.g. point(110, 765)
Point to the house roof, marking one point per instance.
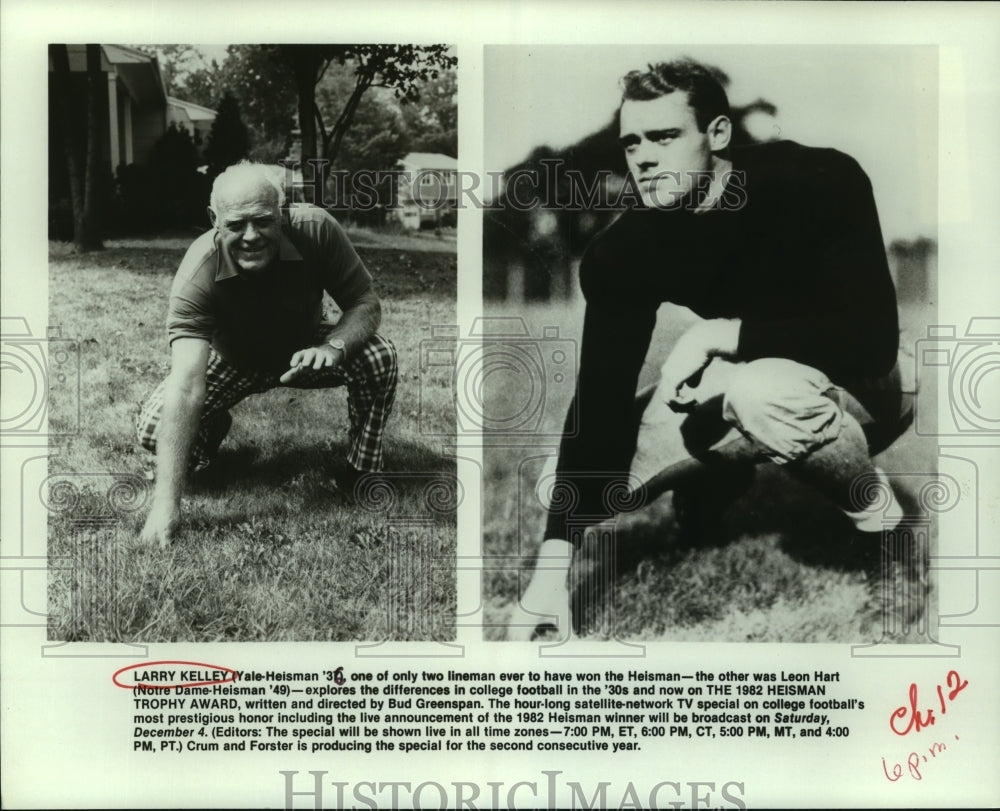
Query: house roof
point(195, 112)
point(429, 160)
point(138, 71)
point(123, 55)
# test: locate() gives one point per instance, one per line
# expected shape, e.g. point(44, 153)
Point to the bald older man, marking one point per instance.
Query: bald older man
point(245, 316)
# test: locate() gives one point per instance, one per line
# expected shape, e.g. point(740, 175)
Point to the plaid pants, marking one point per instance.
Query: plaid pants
point(370, 377)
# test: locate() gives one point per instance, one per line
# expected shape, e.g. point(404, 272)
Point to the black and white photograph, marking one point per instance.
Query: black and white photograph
point(240, 252)
point(732, 250)
point(510, 404)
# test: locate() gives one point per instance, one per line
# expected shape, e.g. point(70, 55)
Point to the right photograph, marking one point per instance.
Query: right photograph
point(707, 271)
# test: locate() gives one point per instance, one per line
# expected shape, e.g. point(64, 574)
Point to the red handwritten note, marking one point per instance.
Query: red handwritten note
point(914, 762)
point(911, 718)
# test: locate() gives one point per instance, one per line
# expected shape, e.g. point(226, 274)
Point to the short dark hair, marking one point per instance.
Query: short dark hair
point(702, 84)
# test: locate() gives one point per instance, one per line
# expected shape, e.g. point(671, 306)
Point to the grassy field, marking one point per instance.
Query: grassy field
point(270, 548)
point(776, 568)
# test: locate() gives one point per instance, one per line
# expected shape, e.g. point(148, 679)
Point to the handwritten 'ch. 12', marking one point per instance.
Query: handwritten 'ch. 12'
point(909, 718)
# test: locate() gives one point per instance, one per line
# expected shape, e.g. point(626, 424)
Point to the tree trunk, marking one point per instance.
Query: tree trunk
point(336, 135)
point(305, 65)
point(88, 237)
point(62, 88)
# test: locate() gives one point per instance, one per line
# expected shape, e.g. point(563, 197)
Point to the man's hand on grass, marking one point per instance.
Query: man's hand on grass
point(161, 525)
point(545, 603)
point(681, 372)
point(315, 357)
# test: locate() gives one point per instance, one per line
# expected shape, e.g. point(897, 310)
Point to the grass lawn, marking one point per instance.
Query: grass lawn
point(776, 569)
point(270, 549)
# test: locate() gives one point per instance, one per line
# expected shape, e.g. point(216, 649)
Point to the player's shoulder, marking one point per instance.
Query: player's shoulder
point(788, 162)
point(309, 218)
point(310, 227)
point(301, 213)
point(200, 262)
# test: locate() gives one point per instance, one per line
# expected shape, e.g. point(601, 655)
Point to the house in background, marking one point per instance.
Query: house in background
point(137, 110)
point(427, 189)
point(135, 190)
point(194, 118)
point(133, 98)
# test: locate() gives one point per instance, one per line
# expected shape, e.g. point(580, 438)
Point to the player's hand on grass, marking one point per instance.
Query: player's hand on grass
point(315, 357)
point(160, 527)
point(545, 603)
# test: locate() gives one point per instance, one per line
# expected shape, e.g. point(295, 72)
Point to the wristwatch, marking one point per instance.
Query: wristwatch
point(338, 343)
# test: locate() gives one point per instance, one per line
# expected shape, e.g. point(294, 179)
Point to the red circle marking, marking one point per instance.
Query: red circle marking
point(158, 686)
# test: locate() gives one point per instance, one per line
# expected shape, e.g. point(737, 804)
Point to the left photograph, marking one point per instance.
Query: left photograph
point(248, 247)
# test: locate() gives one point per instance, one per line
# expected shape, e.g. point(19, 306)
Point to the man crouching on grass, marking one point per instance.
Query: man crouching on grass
point(245, 316)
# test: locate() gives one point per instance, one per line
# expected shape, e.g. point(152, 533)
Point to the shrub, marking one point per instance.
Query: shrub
point(167, 192)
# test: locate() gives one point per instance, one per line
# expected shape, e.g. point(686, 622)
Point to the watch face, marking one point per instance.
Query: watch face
point(337, 343)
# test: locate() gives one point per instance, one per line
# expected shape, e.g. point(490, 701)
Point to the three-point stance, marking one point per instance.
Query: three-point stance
point(777, 248)
point(246, 315)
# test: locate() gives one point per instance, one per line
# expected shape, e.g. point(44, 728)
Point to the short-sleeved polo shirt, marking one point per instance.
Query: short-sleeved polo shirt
point(259, 323)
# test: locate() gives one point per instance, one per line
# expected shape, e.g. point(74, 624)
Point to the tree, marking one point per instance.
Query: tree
point(228, 140)
point(377, 138)
point(266, 92)
point(185, 72)
point(178, 189)
point(327, 88)
point(83, 180)
point(201, 86)
point(432, 121)
point(166, 191)
point(399, 68)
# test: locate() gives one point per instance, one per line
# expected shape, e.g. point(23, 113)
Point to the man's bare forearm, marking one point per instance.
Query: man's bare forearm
point(359, 322)
point(182, 405)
